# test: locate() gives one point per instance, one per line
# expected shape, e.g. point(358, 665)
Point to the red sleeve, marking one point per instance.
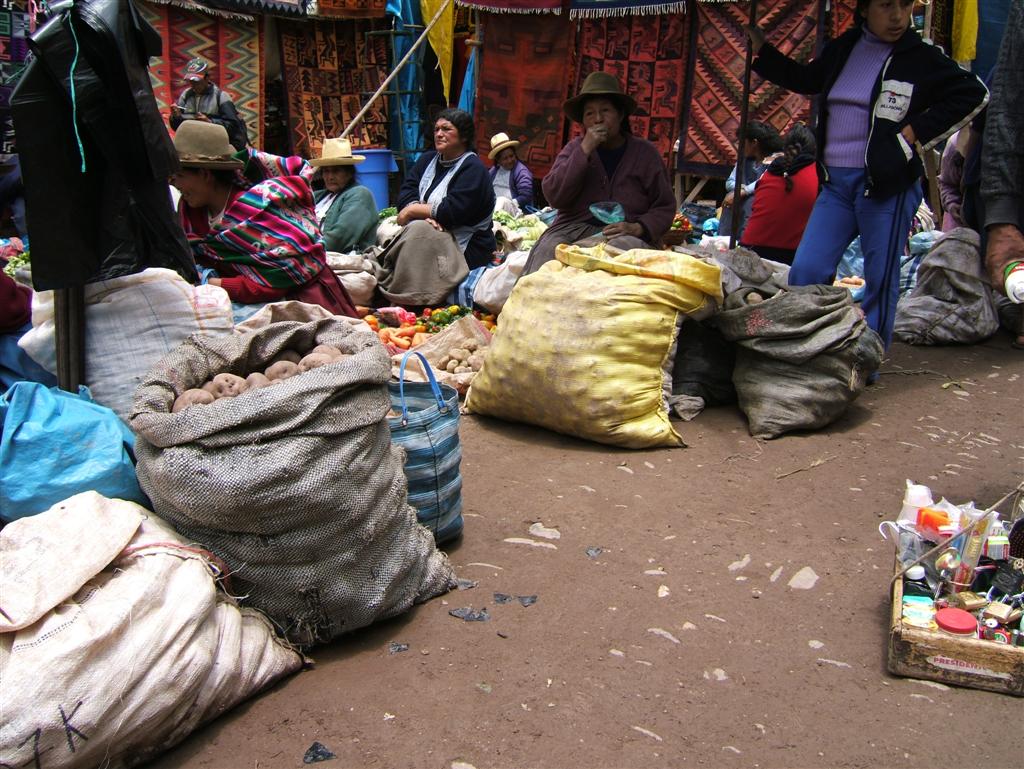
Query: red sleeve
point(15, 305)
point(246, 291)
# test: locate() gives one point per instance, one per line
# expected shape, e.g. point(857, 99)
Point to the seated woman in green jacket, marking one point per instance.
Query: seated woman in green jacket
point(345, 209)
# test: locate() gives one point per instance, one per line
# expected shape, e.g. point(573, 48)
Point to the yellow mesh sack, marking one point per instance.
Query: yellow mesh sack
point(585, 345)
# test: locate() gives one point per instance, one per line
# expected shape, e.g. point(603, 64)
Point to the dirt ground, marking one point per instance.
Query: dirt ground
point(681, 642)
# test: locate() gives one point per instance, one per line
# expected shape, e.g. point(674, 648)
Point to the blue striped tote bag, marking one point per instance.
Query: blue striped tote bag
point(428, 430)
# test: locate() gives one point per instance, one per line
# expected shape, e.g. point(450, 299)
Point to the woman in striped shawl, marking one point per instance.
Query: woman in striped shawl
point(258, 232)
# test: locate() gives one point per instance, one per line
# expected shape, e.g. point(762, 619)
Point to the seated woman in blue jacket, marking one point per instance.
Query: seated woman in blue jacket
point(444, 208)
point(509, 175)
point(345, 209)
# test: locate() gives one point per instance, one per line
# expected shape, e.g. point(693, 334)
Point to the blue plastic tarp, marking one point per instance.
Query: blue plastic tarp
point(55, 444)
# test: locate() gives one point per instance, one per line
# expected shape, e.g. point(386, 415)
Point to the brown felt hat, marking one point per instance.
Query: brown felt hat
point(337, 152)
point(204, 145)
point(599, 84)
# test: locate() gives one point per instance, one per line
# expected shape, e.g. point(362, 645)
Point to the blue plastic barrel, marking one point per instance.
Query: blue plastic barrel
point(373, 173)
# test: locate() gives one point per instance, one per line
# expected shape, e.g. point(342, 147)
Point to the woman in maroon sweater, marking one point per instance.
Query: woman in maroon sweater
point(784, 198)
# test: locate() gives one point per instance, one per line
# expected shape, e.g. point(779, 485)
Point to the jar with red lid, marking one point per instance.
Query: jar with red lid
point(957, 622)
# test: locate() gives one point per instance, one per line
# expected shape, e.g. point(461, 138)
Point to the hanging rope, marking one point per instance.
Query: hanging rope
point(71, 77)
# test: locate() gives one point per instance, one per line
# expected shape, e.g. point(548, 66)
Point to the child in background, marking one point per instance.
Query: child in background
point(785, 196)
point(759, 149)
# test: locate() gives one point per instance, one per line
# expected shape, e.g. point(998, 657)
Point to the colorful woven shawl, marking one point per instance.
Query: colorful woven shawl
point(268, 233)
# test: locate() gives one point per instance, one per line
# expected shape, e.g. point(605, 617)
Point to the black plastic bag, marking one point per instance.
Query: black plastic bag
point(114, 218)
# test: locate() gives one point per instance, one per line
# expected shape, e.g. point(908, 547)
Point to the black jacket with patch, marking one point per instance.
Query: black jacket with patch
point(918, 85)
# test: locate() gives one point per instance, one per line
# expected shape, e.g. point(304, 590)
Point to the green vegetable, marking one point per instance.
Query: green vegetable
point(16, 261)
point(386, 212)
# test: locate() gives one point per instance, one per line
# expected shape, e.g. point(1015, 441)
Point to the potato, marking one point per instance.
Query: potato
point(452, 365)
point(228, 385)
point(211, 388)
point(325, 349)
point(193, 397)
point(471, 346)
point(476, 361)
point(754, 298)
point(281, 370)
point(460, 353)
point(442, 364)
point(289, 355)
point(256, 380)
point(463, 370)
point(315, 360)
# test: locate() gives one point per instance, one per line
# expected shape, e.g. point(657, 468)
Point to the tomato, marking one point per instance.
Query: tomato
point(427, 312)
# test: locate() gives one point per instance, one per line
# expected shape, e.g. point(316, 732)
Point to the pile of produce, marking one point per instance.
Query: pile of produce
point(284, 366)
point(520, 232)
point(16, 261)
point(404, 329)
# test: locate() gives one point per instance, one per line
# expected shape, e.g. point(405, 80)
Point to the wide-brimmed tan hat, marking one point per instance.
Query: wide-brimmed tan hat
point(204, 145)
point(602, 84)
point(499, 142)
point(337, 152)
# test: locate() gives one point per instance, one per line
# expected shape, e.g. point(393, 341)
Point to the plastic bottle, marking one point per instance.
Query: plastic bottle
point(1013, 282)
point(915, 497)
point(972, 548)
point(915, 582)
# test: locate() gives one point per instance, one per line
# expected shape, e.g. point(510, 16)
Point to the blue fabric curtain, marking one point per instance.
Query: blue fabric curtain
point(467, 96)
point(991, 23)
point(410, 130)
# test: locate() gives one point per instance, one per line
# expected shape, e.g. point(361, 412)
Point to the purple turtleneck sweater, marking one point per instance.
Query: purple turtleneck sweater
point(849, 103)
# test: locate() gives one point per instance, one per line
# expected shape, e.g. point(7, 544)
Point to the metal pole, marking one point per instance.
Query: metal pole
point(69, 332)
point(396, 70)
point(737, 201)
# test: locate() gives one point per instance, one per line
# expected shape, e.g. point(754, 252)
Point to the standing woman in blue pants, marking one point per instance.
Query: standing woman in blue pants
point(884, 91)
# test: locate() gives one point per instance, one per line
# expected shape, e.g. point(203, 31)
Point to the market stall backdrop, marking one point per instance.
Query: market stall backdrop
point(231, 42)
point(13, 52)
point(329, 67)
point(714, 82)
point(528, 109)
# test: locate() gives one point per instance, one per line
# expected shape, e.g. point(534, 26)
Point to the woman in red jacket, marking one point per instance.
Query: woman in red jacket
point(784, 197)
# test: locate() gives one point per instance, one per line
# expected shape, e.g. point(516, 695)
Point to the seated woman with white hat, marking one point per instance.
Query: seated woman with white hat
point(261, 238)
point(345, 209)
point(607, 165)
point(510, 177)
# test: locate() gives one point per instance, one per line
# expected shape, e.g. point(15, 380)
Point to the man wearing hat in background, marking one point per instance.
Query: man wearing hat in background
point(203, 100)
point(606, 165)
point(510, 177)
point(345, 209)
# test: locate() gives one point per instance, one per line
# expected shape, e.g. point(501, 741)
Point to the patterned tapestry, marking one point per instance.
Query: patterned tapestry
point(715, 80)
point(232, 46)
point(13, 52)
point(843, 16)
point(347, 9)
point(328, 67)
point(647, 55)
point(526, 108)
